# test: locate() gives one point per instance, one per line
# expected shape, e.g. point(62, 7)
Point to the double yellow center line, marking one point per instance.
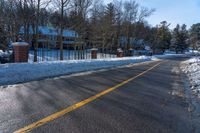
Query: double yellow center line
point(78, 105)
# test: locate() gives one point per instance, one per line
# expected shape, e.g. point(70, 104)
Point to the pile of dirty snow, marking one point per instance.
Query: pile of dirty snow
point(192, 68)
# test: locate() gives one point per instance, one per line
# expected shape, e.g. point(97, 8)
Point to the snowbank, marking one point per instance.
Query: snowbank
point(24, 72)
point(192, 69)
point(18, 73)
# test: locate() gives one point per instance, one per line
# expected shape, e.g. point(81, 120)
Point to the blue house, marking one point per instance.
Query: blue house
point(49, 36)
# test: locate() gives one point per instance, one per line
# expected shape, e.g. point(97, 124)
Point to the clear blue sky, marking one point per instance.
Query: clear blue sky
point(173, 11)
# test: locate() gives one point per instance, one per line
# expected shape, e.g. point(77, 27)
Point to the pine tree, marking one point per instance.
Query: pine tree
point(195, 36)
point(163, 37)
point(179, 40)
point(183, 45)
point(108, 25)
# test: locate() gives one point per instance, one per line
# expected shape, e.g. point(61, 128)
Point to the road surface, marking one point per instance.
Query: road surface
point(143, 98)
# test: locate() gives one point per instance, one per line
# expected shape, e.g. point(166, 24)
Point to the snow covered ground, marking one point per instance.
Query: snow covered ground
point(192, 68)
point(23, 72)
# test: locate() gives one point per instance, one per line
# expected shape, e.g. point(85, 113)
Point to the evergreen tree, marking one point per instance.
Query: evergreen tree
point(108, 25)
point(183, 45)
point(195, 36)
point(180, 37)
point(163, 37)
point(175, 36)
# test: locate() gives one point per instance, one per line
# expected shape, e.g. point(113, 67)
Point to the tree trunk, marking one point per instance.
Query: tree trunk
point(37, 31)
point(61, 32)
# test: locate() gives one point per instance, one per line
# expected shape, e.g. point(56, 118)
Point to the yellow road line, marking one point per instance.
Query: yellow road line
point(78, 105)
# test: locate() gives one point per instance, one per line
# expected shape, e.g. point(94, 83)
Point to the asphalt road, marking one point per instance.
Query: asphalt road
point(152, 102)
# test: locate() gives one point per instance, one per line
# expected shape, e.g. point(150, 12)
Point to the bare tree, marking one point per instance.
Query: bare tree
point(81, 10)
point(25, 15)
point(130, 16)
point(144, 13)
point(119, 19)
point(36, 6)
point(97, 12)
point(62, 7)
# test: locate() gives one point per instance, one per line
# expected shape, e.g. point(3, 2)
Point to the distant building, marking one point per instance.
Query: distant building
point(138, 46)
point(49, 36)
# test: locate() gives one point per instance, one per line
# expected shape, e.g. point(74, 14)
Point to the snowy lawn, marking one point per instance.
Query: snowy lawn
point(192, 68)
point(24, 72)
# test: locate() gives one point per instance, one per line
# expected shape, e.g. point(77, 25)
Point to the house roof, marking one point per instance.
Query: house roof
point(44, 30)
point(69, 33)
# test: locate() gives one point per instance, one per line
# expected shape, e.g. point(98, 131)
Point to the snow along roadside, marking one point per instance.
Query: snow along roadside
point(24, 72)
point(192, 68)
